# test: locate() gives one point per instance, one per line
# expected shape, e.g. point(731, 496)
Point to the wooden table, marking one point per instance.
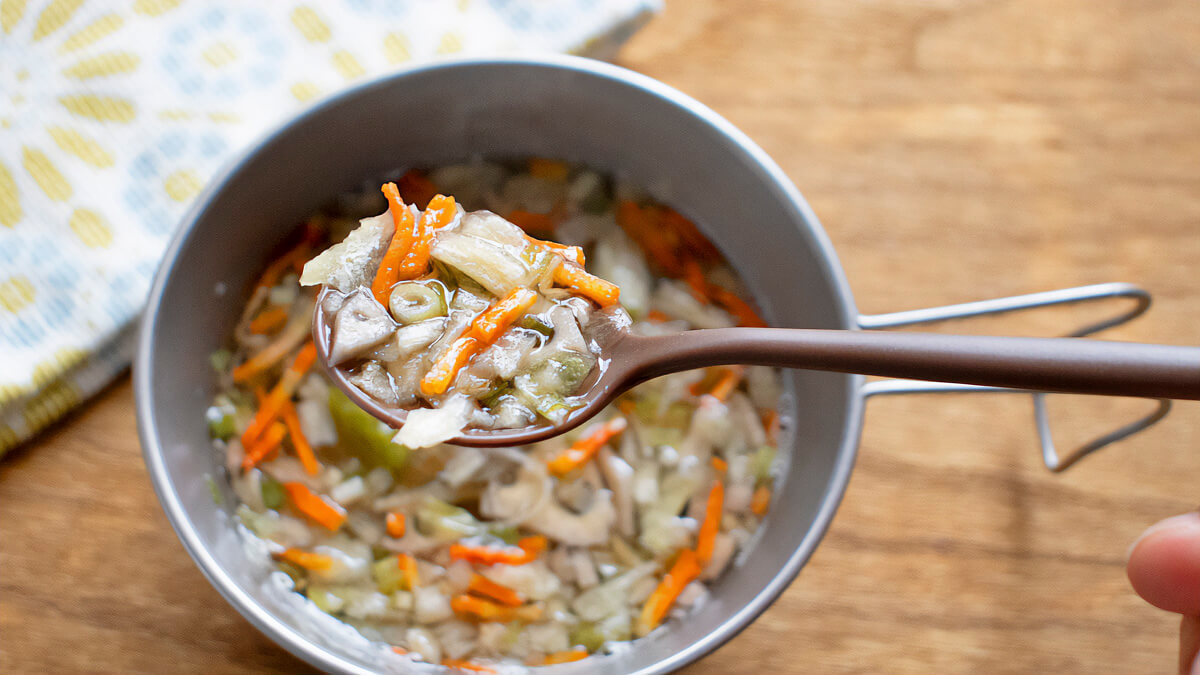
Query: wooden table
point(955, 150)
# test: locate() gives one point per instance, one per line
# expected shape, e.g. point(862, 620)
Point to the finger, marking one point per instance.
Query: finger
point(1164, 565)
point(1189, 644)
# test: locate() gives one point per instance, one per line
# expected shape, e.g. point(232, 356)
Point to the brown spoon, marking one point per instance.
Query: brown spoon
point(1066, 365)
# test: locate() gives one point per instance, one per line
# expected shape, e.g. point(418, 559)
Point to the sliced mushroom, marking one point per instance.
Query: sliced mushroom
point(513, 503)
point(576, 529)
point(375, 381)
point(361, 325)
point(618, 476)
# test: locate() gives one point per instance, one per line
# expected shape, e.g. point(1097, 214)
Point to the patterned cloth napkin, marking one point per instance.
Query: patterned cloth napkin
point(114, 113)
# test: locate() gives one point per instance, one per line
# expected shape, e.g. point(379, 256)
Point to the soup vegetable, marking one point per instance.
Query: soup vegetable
point(485, 558)
point(460, 317)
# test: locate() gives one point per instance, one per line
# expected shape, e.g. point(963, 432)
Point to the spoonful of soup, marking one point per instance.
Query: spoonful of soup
point(459, 327)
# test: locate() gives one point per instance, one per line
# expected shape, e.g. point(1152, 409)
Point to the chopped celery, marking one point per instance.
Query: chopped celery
point(512, 634)
point(762, 463)
point(507, 533)
point(562, 373)
point(220, 360)
point(325, 600)
point(292, 571)
point(533, 323)
point(446, 522)
point(388, 576)
point(222, 421)
point(492, 396)
point(214, 490)
point(587, 636)
point(363, 436)
point(414, 301)
point(272, 492)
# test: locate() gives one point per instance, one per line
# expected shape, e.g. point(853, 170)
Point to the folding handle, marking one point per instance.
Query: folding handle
point(1070, 296)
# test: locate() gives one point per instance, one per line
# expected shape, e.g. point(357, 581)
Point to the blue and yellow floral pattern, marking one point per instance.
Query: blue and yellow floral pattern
point(114, 113)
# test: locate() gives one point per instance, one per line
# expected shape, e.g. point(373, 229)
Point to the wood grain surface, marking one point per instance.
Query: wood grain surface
point(954, 150)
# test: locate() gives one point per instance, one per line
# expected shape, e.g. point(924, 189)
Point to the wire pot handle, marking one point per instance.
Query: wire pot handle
point(1068, 296)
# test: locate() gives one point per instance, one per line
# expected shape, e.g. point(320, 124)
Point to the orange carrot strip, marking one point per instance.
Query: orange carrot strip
point(739, 308)
point(262, 447)
point(572, 253)
point(396, 524)
point(460, 664)
point(399, 650)
point(296, 256)
point(304, 451)
point(526, 551)
point(438, 214)
point(402, 240)
point(305, 559)
point(761, 500)
point(694, 276)
point(707, 382)
point(270, 408)
point(655, 315)
point(471, 607)
point(688, 236)
point(577, 654)
point(325, 513)
point(725, 386)
point(642, 226)
point(408, 565)
point(269, 320)
point(481, 585)
point(549, 169)
point(685, 570)
point(537, 223)
point(584, 449)
point(416, 188)
point(493, 321)
point(446, 368)
point(719, 464)
point(573, 276)
point(770, 420)
point(292, 336)
point(711, 526)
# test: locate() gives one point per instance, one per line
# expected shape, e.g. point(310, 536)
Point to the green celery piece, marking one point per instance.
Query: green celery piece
point(272, 492)
point(388, 576)
point(507, 533)
point(761, 464)
point(587, 636)
point(535, 324)
point(363, 436)
point(220, 360)
point(446, 522)
point(214, 490)
point(222, 421)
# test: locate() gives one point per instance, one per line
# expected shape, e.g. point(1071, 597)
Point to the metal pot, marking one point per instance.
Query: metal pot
point(576, 109)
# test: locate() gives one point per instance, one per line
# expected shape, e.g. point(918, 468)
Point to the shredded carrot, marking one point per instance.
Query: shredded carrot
point(719, 464)
point(526, 551)
point(269, 320)
point(577, 654)
point(263, 446)
point(402, 240)
point(472, 607)
point(583, 450)
point(291, 337)
point(437, 214)
point(770, 420)
point(416, 188)
point(305, 559)
point(706, 382)
point(626, 406)
point(324, 512)
point(685, 570)
point(711, 525)
point(688, 236)
point(400, 650)
point(728, 382)
point(461, 664)
point(481, 585)
point(294, 257)
point(304, 451)
point(549, 169)
point(572, 253)
point(655, 315)
point(396, 524)
point(535, 223)
point(573, 276)
point(492, 322)
point(739, 308)
point(761, 500)
point(408, 565)
point(446, 368)
point(694, 276)
point(270, 408)
point(643, 227)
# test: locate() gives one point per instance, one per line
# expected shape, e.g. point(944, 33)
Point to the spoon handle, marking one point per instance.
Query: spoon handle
point(1069, 365)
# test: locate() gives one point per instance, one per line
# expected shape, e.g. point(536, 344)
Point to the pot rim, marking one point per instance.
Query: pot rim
point(295, 642)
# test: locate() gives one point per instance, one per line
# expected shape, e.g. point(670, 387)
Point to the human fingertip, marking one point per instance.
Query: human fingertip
point(1164, 564)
